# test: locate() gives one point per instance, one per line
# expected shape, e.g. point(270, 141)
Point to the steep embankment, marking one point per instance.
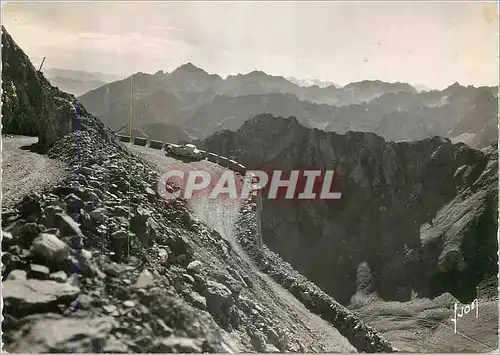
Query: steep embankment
point(97, 259)
point(225, 217)
point(317, 301)
point(103, 260)
point(421, 214)
point(221, 216)
point(419, 325)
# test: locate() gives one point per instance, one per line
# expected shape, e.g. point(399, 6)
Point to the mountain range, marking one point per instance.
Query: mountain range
point(77, 82)
point(195, 104)
point(423, 215)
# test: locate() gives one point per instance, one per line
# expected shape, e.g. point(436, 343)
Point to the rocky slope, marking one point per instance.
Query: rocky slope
point(362, 336)
point(478, 126)
point(422, 215)
point(99, 263)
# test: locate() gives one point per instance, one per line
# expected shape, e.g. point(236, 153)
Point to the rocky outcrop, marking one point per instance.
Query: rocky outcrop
point(478, 126)
point(422, 215)
point(30, 104)
point(363, 337)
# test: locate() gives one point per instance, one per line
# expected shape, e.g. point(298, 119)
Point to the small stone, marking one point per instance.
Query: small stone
point(88, 206)
point(115, 346)
point(114, 269)
point(120, 211)
point(38, 272)
point(145, 279)
point(150, 191)
point(198, 300)
point(98, 215)
point(69, 227)
point(188, 278)
point(7, 239)
point(85, 220)
point(86, 170)
point(109, 308)
point(163, 328)
point(119, 241)
point(30, 204)
point(273, 337)
point(73, 203)
point(306, 296)
point(17, 275)
point(272, 349)
point(50, 247)
point(218, 297)
point(119, 235)
point(129, 303)
point(54, 231)
point(162, 254)
point(59, 276)
point(85, 254)
point(194, 266)
point(50, 214)
point(24, 294)
point(83, 301)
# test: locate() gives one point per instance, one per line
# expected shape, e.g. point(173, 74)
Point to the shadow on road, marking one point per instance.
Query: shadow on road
point(35, 148)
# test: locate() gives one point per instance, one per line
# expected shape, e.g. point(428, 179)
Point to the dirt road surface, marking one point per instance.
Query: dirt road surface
point(24, 170)
point(221, 215)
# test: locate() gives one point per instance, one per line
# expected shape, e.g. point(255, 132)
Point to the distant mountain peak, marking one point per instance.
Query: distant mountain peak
point(253, 74)
point(257, 73)
point(189, 67)
point(365, 84)
point(455, 85)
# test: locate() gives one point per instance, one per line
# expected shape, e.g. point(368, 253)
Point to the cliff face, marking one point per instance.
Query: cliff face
point(31, 106)
point(422, 215)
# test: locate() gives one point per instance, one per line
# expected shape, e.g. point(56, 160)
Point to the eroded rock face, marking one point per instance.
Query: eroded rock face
point(31, 105)
point(421, 214)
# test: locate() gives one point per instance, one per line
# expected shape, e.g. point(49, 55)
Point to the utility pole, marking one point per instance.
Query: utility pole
point(41, 65)
point(258, 209)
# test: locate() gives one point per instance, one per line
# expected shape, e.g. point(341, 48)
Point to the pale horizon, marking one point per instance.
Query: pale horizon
point(429, 44)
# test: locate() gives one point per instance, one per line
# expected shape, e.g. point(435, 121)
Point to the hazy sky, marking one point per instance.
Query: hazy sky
point(428, 43)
